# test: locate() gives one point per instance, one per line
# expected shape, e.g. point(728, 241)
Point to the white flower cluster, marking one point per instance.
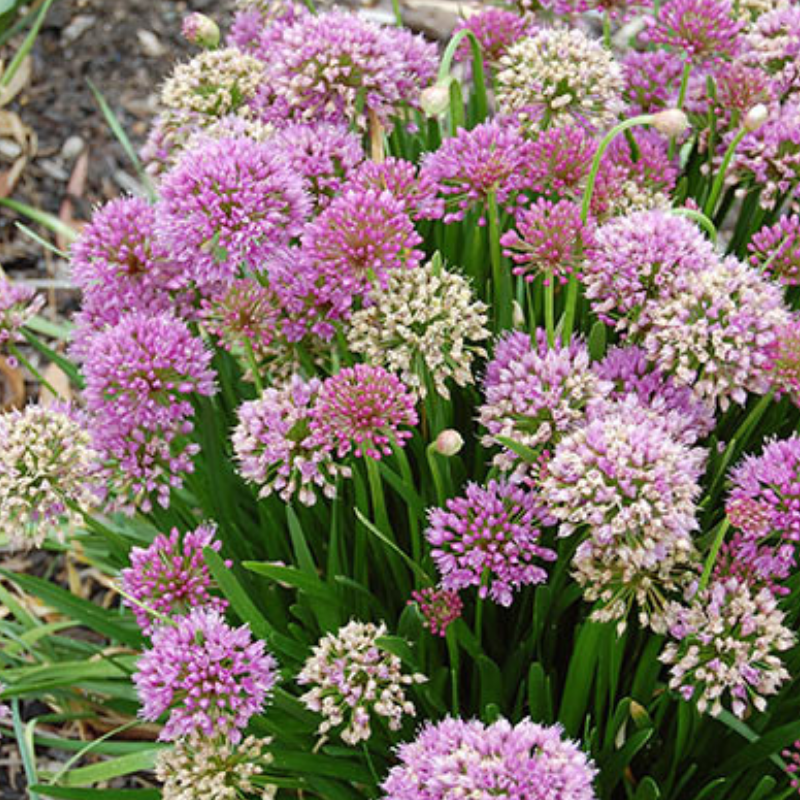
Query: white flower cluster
point(422, 321)
point(45, 468)
point(562, 76)
point(352, 676)
point(199, 769)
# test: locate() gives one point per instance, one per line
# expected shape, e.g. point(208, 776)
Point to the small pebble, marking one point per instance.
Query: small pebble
point(78, 27)
point(72, 148)
point(150, 44)
point(9, 150)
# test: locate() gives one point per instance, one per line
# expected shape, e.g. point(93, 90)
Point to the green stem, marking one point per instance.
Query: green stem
point(378, 497)
point(687, 71)
point(607, 30)
point(452, 651)
point(430, 452)
point(719, 179)
point(309, 4)
point(478, 69)
point(413, 523)
point(398, 14)
point(642, 119)
point(701, 219)
point(712, 553)
point(549, 322)
point(12, 348)
point(251, 362)
point(570, 309)
point(501, 278)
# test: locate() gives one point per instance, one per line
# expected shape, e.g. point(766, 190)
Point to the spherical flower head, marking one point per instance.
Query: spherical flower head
point(210, 676)
point(170, 576)
point(490, 159)
point(534, 394)
point(775, 250)
point(46, 463)
point(717, 332)
point(258, 24)
point(439, 608)
point(214, 83)
point(230, 202)
point(18, 304)
point(198, 768)
point(550, 240)
point(201, 30)
point(632, 375)
point(121, 264)
point(773, 45)
point(785, 360)
point(560, 160)
point(724, 645)
point(527, 760)
point(275, 449)
point(422, 326)
point(353, 678)
point(139, 376)
point(325, 155)
point(362, 409)
point(355, 242)
point(491, 538)
point(652, 80)
point(638, 258)
point(417, 192)
point(769, 157)
point(496, 29)
point(326, 67)
point(764, 507)
point(616, 9)
point(704, 30)
point(560, 76)
point(633, 486)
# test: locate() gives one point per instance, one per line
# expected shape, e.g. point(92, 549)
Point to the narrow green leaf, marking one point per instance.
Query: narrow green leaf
point(491, 683)
point(611, 771)
point(416, 568)
point(527, 454)
point(764, 789)
point(540, 700)
point(398, 647)
point(293, 577)
point(319, 764)
point(144, 760)
point(709, 792)
point(768, 746)
point(66, 793)
point(69, 369)
point(647, 790)
point(580, 676)
point(301, 549)
point(597, 341)
point(49, 221)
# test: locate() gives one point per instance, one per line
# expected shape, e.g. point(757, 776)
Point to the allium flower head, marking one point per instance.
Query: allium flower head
point(171, 577)
point(230, 202)
point(357, 240)
point(210, 676)
point(46, 463)
point(550, 240)
point(198, 769)
point(139, 376)
point(560, 160)
point(614, 8)
point(363, 409)
point(704, 30)
point(652, 80)
point(775, 250)
point(773, 45)
point(764, 508)
point(214, 83)
point(724, 647)
point(352, 678)
point(422, 324)
point(325, 155)
point(638, 258)
point(631, 374)
point(716, 334)
point(785, 360)
point(634, 486)
point(322, 66)
point(534, 394)
point(492, 158)
point(560, 76)
point(529, 762)
point(496, 29)
point(417, 192)
point(439, 608)
point(258, 24)
point(18, 303)
point(274, 446)
point(490, 538)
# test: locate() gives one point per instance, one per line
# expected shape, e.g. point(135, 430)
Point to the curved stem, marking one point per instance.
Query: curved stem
point(501, 279)
point(251, 362)
point(719, 180)
point(712, 553)
point(478, 68)
point(701, 219)
point(687, 70)
point(430, 452)
point(549, 322)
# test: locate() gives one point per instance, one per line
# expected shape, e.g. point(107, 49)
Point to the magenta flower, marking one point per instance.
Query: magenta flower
point(615, 8)
point(230, 203)
point(550, 240)
point(492, 158)
point(776, 250)
point(490, 538)
point(415, 191)
point(529, 762)
point(439, 608)
point(18, 303)
point(274, 446)
point(363, 409)
point(357, 240)
point(652, 80)
point(704, 30)
point(785, 360)
point(171, 577)
point(560, 160)
point(211, 677)
point(496, 29)
point(773, 45)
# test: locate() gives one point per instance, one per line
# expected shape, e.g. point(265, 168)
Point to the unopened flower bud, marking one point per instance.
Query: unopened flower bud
point(449, 443)
point(517, 315)
point(672, 122)
point(756, 117)
point(435, 100)
point(201, 30)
